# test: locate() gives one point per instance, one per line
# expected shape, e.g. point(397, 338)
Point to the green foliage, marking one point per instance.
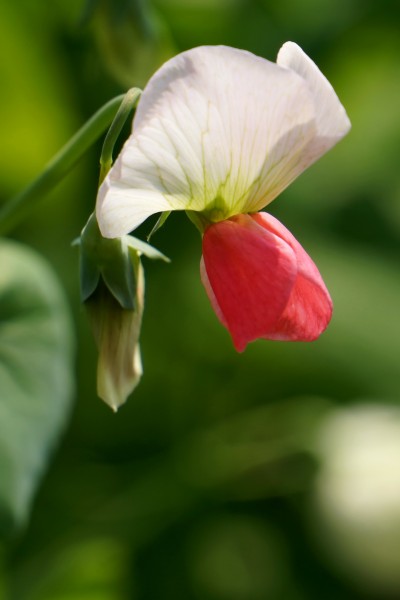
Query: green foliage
point(36, 380)
point(131, 37)
point(31, 101)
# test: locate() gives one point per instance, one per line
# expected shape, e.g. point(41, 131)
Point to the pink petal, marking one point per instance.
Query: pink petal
point(309, 309)
point(261, 283)
point(250, 276)
point(210, 293)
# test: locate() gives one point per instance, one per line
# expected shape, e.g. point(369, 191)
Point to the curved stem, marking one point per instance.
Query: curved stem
point(127, 105)
point(23, 203)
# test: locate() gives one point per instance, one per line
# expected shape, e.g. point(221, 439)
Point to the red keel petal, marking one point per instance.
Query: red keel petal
point(251, 273)
point(261, 283)
point(309, 309)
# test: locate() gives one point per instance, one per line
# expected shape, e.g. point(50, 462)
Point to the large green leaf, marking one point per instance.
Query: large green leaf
point(35, 376)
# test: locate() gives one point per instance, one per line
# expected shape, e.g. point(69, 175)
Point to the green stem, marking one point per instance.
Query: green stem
point(127, 105)
point(23, 203)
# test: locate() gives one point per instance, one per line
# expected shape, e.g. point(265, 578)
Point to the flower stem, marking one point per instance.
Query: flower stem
point(128, 103)
point(18, 207)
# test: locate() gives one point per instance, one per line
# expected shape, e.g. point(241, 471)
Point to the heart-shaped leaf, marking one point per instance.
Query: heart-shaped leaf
point(36, 351)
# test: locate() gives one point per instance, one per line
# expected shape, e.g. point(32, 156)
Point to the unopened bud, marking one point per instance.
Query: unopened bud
point(112, 288)
point(116, 331)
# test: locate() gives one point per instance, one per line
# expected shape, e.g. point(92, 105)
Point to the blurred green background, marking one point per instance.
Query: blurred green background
point(271, 475)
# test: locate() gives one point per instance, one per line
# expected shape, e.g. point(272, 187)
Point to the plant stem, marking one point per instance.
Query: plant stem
point(23, 203)
point(127, 104)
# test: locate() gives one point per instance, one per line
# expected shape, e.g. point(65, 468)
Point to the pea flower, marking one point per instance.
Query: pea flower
point(219, 133)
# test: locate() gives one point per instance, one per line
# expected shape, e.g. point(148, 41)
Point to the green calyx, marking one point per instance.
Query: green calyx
point(115, 262)
point(217, 210)
point(108, 260)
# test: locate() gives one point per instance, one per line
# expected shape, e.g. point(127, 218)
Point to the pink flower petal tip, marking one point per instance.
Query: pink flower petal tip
point(261, 282)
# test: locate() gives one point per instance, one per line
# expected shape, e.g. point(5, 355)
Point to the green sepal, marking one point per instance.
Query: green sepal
point(110, 260)
point(146, 249)
point(118, 274)
point(114, 261)
point(89, 276)
point(160, 222)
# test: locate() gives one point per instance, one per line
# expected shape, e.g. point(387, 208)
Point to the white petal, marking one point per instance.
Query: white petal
point(217, 130)
point(118, 211)
point(331, 119)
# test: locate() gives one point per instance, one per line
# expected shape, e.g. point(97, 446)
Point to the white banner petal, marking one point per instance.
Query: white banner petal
point(332, 121)
point(217, 130)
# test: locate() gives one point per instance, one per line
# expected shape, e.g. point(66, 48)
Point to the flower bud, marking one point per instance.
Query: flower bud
point(116, 331)
point(112, 288)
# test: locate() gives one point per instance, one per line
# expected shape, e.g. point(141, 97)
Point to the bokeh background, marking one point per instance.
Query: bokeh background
point(271, 475)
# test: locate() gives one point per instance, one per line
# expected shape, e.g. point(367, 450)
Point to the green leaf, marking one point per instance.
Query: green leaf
point(36, 384)
point(145, 248)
